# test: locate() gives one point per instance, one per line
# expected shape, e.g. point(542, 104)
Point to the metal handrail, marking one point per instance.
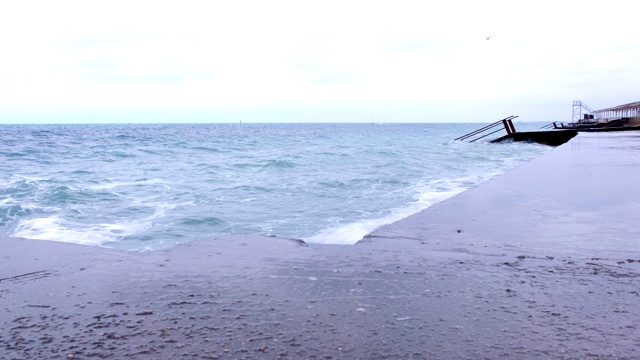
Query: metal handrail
point(585, 106)
point(506, 122)
point(479, 130)
point(491, 133)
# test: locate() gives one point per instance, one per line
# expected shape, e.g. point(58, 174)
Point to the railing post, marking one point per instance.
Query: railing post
point(513, 129)
point(506, 126)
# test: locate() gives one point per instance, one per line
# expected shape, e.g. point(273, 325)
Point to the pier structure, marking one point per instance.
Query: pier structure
point(617, 118)
point(551, 138)
point(630, 110)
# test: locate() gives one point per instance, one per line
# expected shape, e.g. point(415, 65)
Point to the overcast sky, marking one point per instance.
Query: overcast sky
point(314, 61)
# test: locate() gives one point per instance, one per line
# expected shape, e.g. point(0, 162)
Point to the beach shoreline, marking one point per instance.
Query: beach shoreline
point(540, 262)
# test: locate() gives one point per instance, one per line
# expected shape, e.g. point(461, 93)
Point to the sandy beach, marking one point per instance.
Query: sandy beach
point(541, 262)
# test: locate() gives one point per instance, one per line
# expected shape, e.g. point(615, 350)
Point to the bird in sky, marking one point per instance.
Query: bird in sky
point(489, 37)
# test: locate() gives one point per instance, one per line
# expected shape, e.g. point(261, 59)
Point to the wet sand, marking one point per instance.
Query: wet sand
point(542, 262)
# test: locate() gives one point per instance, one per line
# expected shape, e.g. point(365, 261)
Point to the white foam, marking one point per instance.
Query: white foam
point(353, 232)
point(428, 194)
point(116, 184)
point(55, 228)
point(9, 202)
point(29, 179)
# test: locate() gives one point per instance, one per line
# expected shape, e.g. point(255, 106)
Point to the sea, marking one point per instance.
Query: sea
point(144, 187)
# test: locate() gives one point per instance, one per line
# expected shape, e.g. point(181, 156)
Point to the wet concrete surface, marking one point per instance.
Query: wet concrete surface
point(542, 262)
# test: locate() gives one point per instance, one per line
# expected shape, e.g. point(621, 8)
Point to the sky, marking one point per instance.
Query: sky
point(314, 61)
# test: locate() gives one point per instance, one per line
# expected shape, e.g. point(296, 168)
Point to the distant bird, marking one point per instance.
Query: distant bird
point(489, 37)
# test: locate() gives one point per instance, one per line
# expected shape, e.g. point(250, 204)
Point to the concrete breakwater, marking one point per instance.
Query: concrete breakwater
point(542, 262)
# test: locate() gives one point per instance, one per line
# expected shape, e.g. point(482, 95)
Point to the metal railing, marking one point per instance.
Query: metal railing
point(609, 124)
point(506, 123)
point(578, 106)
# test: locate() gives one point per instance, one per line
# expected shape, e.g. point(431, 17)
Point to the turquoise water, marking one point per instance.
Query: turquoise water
point(146, 187)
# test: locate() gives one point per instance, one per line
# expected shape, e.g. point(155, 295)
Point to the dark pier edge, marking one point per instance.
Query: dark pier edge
point(552, 138)
point(541, 262)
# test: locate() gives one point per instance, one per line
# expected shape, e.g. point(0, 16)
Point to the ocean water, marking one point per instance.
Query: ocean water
point(147, 187)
